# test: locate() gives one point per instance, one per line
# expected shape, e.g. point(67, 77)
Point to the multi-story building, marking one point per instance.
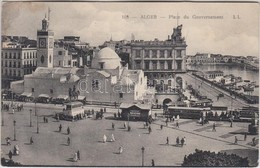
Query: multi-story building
point(160, 60)
point(62, 58)
point(17, 62)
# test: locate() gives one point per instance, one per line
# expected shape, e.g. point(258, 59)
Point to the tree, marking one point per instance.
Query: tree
point(207, 159)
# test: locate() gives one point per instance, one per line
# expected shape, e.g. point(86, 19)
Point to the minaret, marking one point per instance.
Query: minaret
point(45, 40)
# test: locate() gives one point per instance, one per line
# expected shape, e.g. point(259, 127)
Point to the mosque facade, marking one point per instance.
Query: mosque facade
point(105, 81)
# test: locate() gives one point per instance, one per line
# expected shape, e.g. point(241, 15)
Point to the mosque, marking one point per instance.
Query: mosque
point(106, 81)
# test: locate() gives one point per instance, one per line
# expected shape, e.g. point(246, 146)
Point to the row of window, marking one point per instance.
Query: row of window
point(156, 53)
point(14, 64)
point(154, 65)
point(14, 55)
point(15, 73)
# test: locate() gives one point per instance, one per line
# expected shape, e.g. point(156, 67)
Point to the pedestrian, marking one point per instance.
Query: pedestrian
point(60, 127)
point(31, 140)
point(177, 141)
point(75, 157)
point(177, 124)
point(16, 150)
point(166, 122)
point(113, 138)
point(44, 120)
point(245, 136)
point(153, 163)
point(120, 149)
point(78, 154)
point(129, 128)
point(113, 126)
point(68, 141)
point(253, 141)
point(10, 154)
point(214, 127)
point(144, 124)
point(124, 124)
point(184, 138)
point(68, 130)
point(231, 123)
point(182, 142)
point(167, 141)
point(149, 129)
point(8, 141)
point(155, 115)
point(161, 127)
point(13, 110)
point(235, 140)
point(104, 139)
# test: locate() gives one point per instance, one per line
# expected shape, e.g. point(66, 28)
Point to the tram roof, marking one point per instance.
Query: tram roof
point(188, 108)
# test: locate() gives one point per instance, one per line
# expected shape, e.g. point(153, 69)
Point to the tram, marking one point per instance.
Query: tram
point(187, 112)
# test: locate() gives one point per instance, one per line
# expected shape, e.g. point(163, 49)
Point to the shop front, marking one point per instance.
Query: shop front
point(136, 112)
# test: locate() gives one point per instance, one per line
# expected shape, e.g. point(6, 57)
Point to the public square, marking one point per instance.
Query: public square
point(50, 146)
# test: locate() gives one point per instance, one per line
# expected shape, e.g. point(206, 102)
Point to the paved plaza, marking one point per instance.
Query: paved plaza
point(50, 146)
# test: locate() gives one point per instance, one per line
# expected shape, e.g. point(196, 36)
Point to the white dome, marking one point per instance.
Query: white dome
point(108, 58)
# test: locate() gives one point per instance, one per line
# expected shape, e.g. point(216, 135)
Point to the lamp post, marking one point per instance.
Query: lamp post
point(37, 125)
point(142, 155)
point(12, 99)
point(30, 117)
point(14, 130)
point(35, 108)
point(2, 112)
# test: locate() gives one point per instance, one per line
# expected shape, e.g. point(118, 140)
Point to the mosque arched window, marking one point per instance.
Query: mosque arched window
point(42, 59)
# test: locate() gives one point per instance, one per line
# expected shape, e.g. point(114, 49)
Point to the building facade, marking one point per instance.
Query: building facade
point(160, 60)
point(17, 62)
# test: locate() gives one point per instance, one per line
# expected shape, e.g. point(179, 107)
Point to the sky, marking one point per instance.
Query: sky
point(96, 22)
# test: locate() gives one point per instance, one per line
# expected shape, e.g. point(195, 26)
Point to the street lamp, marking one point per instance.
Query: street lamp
point(35, 108)
point(30, 117)
point(12, 99)
point(37, 125)
point(14, 131)
point(142, 155)
point(2, 117)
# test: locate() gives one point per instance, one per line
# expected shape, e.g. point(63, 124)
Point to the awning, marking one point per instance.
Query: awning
point(140, 106)
point(81, 97)
point(27, 94)
point(63, 97)
point(44, 95)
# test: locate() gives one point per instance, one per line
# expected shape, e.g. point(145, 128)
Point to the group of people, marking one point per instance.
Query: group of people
point(7, 106)
point(112, 138)
point(180, 142)
point(245, 137)
point(172, 119)
point(45, 119)
point(16, 151)
point(76, 156)
point(68, 129)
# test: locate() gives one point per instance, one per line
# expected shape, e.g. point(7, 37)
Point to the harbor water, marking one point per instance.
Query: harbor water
point(244, 73)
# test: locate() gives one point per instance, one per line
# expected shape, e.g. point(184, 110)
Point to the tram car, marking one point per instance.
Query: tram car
point(187, 112)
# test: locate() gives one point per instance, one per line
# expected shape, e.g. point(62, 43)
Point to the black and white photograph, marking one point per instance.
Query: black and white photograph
point(134, 83)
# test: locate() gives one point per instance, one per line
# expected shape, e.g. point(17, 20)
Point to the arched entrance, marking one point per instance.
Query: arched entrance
point(167, 101)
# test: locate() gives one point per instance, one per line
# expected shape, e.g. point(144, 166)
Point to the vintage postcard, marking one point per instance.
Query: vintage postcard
point(129, 84)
